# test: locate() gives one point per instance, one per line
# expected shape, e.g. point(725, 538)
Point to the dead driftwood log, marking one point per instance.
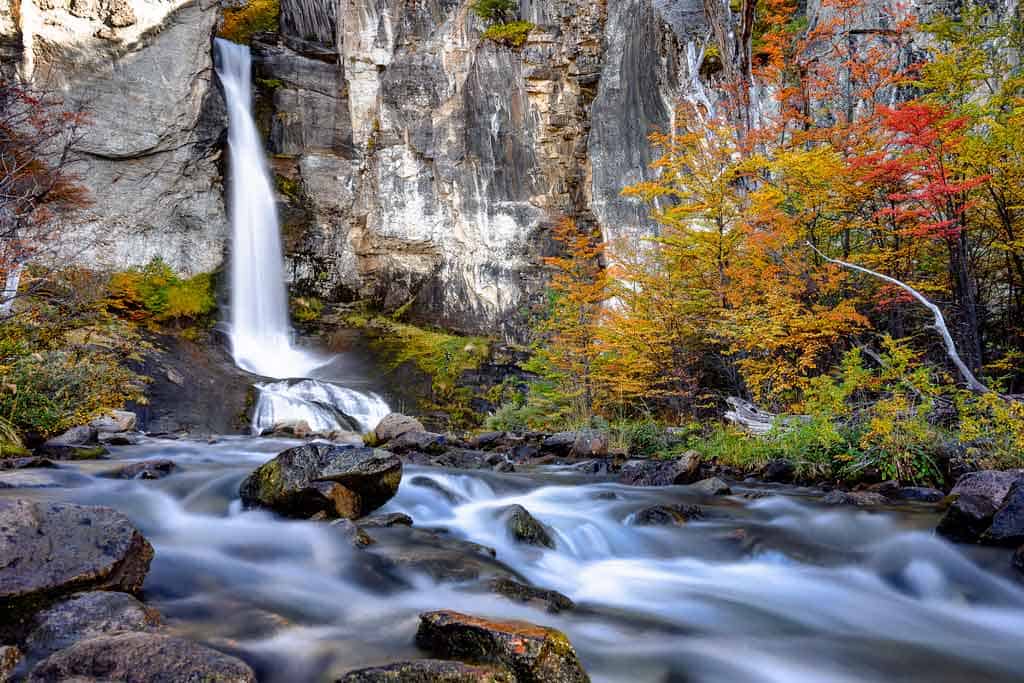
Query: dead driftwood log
point(748, 416)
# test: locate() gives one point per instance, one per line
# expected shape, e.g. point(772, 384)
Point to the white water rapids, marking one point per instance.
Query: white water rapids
point(262, 340)
point(768, 589)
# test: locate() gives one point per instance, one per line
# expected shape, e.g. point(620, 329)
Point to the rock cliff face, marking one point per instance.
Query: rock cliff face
point(142, 69)
point(427, 164)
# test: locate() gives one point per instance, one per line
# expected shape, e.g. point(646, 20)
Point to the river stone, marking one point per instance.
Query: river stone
point(77, 443)
point(590, 443)
point(9, 658)
point(712, 487)
point(668, 515)
point(487, 440)
point(919, 494)
point(115, 422)
point(535, 654)
point(559, 444)
point(779, 470)
point(978, 495)
point(352, 533)
point(50, 550)
point(552, 601)
point(858, 498)
point(147, 469)
point(525, 528)
point(87, 615)
point(429, 671)
point(340, 481)
point(386, 520)
point(1008, 522)
point(394, 425)
point(423, 442)
point(27, 462)
point(142, 658)
point(682, 470)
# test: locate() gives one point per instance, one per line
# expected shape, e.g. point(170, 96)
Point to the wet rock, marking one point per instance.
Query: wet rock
point(858, 498)
point(486, 440)
point(120, 439)
point(147, 469)
point(27, 462)
point(429, 671)
point(779, 470)
point(682, 470)
point(50, 550)
point(604, 466)
point(535, 654)
point(355, 535)
point(524, 452)
point(668, 515)
point(9, 658)
point(138, 657)
point(560, 444)
point(711, 487)
point(340, 481)
point(84, 616)
point(976, 498)
point(394, 425)
point(1008, 522)
point(552, 601)
point(437, 555)
point(77, 443)
point(115, 422)
point(423, 442)
point(525, 528)
point(919, 494)
point(389, 520)
point(590, 443)
point(1018, 559)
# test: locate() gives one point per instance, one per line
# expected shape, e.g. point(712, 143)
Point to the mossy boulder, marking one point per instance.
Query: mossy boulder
point(324, 479)
point(525, 528)
point(535, 654)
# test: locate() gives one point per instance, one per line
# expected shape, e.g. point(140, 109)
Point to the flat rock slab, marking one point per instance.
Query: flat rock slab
point(50, 550)
point(142, 658)
point(84, 616)
point(535, 654)
point(429, 671)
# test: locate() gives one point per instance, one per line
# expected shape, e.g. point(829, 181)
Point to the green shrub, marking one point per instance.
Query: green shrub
point(496, 11)
point(307, 309)
point(256, 16)
point(513, 34)
point(156, 292)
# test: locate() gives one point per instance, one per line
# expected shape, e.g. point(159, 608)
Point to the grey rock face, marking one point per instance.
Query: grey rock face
point(978, 495)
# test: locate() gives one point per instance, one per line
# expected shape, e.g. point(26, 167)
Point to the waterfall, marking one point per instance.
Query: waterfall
point(261, 335)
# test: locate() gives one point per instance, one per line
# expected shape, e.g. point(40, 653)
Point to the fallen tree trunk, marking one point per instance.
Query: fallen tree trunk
point(970, 380)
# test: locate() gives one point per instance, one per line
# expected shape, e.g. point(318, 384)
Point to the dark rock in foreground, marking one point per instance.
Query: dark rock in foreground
point(779, 470)
point(84, 616)
point(858, 498)
point(77, 443)
point(50, 550)
point(1008, 523)
point(711, 487)
point(338, 481)
point(25, 463)
point(525, 528)
point(141, 658)
point(389, 520)
point(535, 654)
point(683, 470)
point(552, 601)
point(147, 469)
point(429, 671)
point(977, 497)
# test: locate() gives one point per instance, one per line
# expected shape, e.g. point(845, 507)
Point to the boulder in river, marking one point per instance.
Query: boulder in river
point(139, 657)
point(87, 615)
point(1008, 523)
point(711, 487)
point(668, 515)
point(421, 441)
point(552, 601)
point(535, 654)
point(158, 468)
point(429, 671)
point(394, 425)
point(682, 470)
point(976, 498)
point(858, 498)
point(115, 422)
point(27, 462)
point(779, 470)
point(386, 520)
point(77, 443)
point(353, 533)
point(590, 443)
point(559, 444)
point(339, 481)
point(51, 550)
point(525, 528)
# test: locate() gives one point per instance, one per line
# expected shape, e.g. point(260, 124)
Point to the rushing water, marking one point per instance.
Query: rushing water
point(261, 334)
point(768, 588)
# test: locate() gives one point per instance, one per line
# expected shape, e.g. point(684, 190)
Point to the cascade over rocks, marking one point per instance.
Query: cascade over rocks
point(139, 658)
point(535, 654)
point(338, 481)
point(51, 550)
